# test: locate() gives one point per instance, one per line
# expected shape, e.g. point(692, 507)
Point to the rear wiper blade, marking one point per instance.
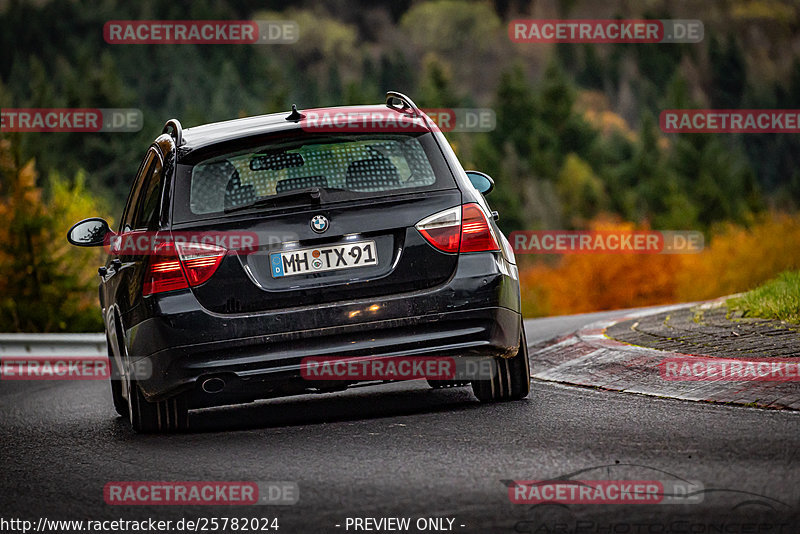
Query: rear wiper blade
point(311, 193)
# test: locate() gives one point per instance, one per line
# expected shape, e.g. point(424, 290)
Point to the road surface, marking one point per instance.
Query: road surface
point(405, 451)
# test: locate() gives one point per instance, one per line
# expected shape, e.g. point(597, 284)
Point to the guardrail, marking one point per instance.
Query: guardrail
point(47, 345)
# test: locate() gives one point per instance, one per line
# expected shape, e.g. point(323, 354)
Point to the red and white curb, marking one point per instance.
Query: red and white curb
point(589, 358)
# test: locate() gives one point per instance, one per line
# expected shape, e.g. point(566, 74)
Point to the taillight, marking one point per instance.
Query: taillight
point(179, 265)
point(443, 229)
point(164, 272)
point(459, 229)
point(476, 234)
point(199, 260)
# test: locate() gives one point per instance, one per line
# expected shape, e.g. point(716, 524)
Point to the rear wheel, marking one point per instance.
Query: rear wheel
point(170, 415)
point(512, 380)
point(120, 403)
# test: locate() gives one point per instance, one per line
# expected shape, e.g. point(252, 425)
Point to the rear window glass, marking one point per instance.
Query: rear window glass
point(343, 168)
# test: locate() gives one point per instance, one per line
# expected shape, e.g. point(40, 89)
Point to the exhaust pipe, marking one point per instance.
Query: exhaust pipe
point(213, 385)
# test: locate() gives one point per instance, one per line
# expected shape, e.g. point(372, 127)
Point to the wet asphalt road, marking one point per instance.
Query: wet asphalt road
point(403, 450)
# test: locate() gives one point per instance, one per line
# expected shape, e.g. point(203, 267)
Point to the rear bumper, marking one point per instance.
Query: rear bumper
point(476, 313)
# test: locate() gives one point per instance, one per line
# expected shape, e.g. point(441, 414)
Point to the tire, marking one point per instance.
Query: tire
point(170, 415)
point(120, 403)
point(512, 380)
point(441, 384)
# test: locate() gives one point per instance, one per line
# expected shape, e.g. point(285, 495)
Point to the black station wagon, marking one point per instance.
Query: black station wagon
point(327, 239)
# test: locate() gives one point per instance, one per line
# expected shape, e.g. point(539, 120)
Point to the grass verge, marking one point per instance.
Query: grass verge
point(777, 299)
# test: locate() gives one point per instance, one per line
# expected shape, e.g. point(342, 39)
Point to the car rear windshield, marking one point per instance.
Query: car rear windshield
point(339, 168)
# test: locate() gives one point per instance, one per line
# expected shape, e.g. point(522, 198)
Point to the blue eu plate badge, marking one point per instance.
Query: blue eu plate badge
point(276, 264)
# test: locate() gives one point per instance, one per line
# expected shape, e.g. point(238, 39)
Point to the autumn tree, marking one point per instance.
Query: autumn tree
point(46, 285)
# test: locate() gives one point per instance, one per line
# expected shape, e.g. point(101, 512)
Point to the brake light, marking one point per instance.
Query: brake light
point(459, 229)
point(179, 265)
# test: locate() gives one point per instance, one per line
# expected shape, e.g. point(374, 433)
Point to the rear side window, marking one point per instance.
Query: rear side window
point(345, 167)
point(126, 223)
point(148, 210)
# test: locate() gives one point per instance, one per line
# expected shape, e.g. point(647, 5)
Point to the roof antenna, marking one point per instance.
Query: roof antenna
point(295, 115)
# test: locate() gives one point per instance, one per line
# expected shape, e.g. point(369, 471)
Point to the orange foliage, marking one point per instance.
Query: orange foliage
point(736, 260)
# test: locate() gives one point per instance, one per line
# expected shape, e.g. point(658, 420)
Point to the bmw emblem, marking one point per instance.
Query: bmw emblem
point(319, 224)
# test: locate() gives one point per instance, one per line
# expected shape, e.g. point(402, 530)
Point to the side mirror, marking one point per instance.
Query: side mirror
point(481, 181)
point(89, 233)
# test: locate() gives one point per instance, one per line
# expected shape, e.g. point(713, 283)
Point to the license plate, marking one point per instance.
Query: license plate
point(320, 259)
